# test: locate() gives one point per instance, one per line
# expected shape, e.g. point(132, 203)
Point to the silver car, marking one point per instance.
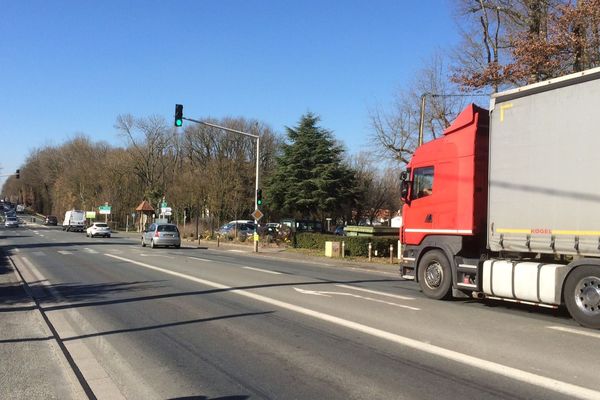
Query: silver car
point(160, 234)
point(11, 222)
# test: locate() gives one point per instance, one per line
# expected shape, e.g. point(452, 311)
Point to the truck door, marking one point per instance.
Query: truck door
point(419, 221)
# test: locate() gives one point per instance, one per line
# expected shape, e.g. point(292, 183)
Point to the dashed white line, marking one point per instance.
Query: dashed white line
point(575, 331)
point(263, 270)
point(395, 296)
point(555, 385)
point(199, 259)
point(64, 252)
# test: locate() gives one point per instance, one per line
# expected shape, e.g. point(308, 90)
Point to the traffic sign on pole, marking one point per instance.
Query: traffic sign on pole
point(257, 214)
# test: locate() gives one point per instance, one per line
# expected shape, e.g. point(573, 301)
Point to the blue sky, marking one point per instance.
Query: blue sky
point(70, 67)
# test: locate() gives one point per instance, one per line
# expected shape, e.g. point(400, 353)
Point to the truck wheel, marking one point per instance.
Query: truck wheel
point(435, 275)
point(582, 295)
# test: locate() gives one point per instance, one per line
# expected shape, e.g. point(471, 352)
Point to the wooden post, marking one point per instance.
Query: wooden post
point(343, 249)
point(370, 248)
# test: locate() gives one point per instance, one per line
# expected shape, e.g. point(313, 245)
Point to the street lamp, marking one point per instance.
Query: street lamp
point(422, 115)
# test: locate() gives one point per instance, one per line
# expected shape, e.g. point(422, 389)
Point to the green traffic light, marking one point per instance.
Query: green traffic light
point(178, 122)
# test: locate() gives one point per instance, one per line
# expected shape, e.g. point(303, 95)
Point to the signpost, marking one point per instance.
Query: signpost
point(257, 214)
point(105, 209)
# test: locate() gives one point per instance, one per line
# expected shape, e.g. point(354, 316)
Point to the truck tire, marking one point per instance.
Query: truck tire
point(435, 275)
point(582, 295)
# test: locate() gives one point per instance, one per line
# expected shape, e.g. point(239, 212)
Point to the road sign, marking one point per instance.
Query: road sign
point(165, 210)
point(257, 214)
point(163, 204)
point(104, 209)
point(90, 214)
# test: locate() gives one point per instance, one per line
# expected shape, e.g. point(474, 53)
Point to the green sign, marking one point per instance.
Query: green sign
point(104, 209)
point(163, 204)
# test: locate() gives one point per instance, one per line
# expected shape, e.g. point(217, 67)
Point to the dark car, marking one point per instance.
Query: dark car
point(339, 231)
point(159, 234)
point(51, 220)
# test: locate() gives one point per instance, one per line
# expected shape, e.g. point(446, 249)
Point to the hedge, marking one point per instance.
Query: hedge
point(355, 246)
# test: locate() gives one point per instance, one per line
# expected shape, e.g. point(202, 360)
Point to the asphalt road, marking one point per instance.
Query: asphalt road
point(145, 323)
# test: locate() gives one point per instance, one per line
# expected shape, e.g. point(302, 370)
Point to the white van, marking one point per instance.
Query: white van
point(74, 221)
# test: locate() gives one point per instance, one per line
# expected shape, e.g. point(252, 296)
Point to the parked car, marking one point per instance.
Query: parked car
point(236, 229)
point(11, 222)
point(51, 220)
point(161, 234)
point(98, 229)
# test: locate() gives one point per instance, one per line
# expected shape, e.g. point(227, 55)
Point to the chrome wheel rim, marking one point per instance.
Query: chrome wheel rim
point(434, 275)
point(587, 295)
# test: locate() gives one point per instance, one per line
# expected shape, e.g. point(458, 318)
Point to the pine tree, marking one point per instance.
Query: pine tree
point(310, 179)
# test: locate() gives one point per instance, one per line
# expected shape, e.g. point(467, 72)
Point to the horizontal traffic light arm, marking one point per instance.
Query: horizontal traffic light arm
point(221, 127)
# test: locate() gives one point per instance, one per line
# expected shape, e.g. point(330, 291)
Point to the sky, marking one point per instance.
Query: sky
point(71, 67)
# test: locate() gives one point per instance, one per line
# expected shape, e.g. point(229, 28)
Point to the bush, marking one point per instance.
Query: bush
point(355, 246)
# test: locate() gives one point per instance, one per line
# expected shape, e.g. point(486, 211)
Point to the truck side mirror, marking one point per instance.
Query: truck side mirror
point(404, 186)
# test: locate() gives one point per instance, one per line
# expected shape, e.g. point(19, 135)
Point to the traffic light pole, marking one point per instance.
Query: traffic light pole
point(257, 137)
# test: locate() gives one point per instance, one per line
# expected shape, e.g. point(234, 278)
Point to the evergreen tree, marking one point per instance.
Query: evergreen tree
point(310, 179)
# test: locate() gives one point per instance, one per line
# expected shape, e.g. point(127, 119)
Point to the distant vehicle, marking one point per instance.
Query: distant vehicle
point(98, 229)
point(51, 220)
point(20, 208)
point(303, 225)
point(236, 229)
point(161, 234)
point(339, 231)
point(11, 222)
point(74, 221)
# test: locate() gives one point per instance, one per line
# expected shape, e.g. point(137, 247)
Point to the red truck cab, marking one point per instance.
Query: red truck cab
point(444, 190)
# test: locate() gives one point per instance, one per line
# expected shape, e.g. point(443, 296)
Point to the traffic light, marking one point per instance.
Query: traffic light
point(259, 197)
point(18, 173)
point(178, 115)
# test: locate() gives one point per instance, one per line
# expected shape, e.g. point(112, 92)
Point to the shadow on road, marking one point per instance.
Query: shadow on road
point(168, 325)
point(81, 292)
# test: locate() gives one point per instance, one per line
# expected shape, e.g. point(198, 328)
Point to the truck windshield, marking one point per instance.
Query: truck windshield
point(422, 182)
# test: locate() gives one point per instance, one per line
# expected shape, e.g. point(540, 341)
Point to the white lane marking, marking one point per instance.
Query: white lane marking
point(237, 251)
point(38, 253)
point(395, 296)
point(490, 366)
point(17, 250)
point(154, 255)
point(576, 331)
point(64, 252)
point(199, 259)
point(263, 270)
point(329, 294)
point(91, 251)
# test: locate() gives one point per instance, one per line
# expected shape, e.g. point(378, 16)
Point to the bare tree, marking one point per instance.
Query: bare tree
point(395, 132)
